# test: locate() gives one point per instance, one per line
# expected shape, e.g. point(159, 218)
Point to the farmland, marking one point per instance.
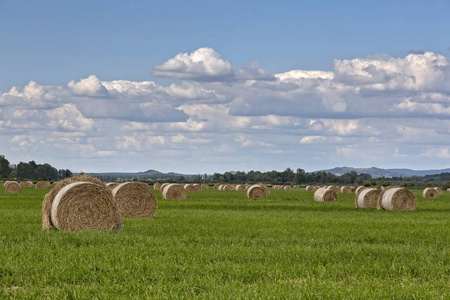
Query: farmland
point(219, 244)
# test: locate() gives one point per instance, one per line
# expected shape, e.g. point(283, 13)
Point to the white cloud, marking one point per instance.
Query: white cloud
point(312, 139)
point(68, 117)
point(91, 86)
point(202, 64)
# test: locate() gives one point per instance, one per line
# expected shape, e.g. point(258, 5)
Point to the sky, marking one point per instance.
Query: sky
point(213, 86)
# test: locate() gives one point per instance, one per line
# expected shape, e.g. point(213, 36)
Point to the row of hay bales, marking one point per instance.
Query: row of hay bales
point(390, 198)
point(285, 187)
point(16, 187)
point(85, 203)
point(432, 192)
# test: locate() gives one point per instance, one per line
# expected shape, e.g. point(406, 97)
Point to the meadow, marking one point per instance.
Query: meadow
point(222, 245)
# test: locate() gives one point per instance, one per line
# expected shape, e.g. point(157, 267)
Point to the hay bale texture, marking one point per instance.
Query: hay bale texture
point(157, 186)
point(189, 188)
point(174, 192)
point(111, 185)
point(26, 184)
point(12, 187)
point(205, 187)
point(42, 185)
point(57, 186)
point(348, 189)
point(368, 198)
point(240, 188)
point(135, 200)
point(256, 191)
point(396, 198)
point(430, 193)
point(325, 195)
point(439, 191)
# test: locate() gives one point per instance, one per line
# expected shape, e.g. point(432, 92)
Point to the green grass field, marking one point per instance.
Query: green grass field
point(221, 245)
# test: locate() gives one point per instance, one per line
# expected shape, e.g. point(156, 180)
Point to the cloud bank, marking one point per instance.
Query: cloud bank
point(378, 110)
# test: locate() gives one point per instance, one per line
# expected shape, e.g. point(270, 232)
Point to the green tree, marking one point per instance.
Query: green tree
point(5, 168)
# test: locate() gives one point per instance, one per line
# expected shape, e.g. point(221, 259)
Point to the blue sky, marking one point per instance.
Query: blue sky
point(73, 61)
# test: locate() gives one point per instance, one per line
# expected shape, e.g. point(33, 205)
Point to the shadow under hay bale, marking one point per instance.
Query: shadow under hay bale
point(135, 200)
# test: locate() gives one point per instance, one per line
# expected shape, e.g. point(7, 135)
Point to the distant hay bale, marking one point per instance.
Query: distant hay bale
point(162, 187)
point(135, 200)
point(396, 198)
point(157, 186)
point(256, 191)
point(111, 185)
point(84, 206)
point(42, 185)
point(348, 189)
point(56, 187)
point(448, 190)
point(189, 188)
point(12, 187)
point(368, 198)
point(287, 188)
point(216, 186)
point(240, 187)
point(227, 187)
point(197, 187)
point(334, 188)
point(266, 189)
point(430, 193)
point(205, 187)
point(26, 184)
point(439, 191)
point(174, 192)
point(325, 195)
point(309, 188)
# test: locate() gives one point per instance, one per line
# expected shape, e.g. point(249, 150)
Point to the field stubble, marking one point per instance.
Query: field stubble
point(221, 244)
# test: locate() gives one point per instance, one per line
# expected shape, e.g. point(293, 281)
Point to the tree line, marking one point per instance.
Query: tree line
point(31, 171)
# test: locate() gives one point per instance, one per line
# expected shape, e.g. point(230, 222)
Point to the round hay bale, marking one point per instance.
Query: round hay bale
point(56, 187)
point(163, 186)
point(367, 198)
point(396, 198)
point(112, 185)
point(12, 187)
point(256, 191)
point(26, 184)
point(334, 188)
point(430, 193)
point(135, 200)
point(157, 186)
point(42, 185)
point(266, 189)
point(189, 188)
point(348, 189)
point(359, 189)
point(174, 192)
point(439, 191)
point(227, 187)
point(287, 188)
point(448, 190)
point(240, 187)
point(197, 187)
point(325, 195)
point(85, 206)
point(205, 187)
point(309, 188)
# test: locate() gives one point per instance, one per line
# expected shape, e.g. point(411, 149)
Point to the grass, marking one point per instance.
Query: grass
point(221, 245)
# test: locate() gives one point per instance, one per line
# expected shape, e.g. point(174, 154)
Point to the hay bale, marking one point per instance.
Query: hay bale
point(334, 188)
point(112, 185)
point(216, 186)
point(367, 198)
point(42, 185)
point(135, 200)
point(348, 189)
point(240, 187)
point(227, 187)
point(205, 187)
point(359, 189)
point(163, 186)
point(84, 206)
point(448, 190)
point(26, 184)
point(325, 195)
point(56, 187)
point(439, 191)
point(430, 193)
point(12, 187)
point(396, 198)
point(256, 191)
point(174, 192)
point(287, 188)
point(189, 188)
point(197, 187)
point(157, 186)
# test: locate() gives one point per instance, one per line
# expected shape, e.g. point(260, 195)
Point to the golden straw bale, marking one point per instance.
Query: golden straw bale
point(240, 187)
point(111, 185)
point(325, 195)
point(12, 187)
point(396, 198)
point(174, 192)
point(157, 186)
point(42, 185)
point(256, 191)
point(189, 188)
point(135, 200)
point(367, 198)
point(84, 206)
point(348, 189)
point(439, 191)
point(430, 193)
point(197, 187)
point(287, 188)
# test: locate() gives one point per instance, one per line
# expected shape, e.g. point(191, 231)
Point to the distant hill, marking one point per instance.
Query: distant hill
point(377, 172)
point(148, 172)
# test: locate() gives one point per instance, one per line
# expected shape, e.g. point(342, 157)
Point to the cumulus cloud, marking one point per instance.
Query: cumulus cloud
point(91, 86)
point(68, 117)
point(203, 64)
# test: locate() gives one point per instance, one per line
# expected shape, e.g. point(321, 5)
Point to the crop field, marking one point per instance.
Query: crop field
point(222, 245)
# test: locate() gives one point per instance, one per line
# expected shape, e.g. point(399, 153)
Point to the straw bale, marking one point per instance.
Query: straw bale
point(348, 189)
point(42, 185)
point(135, 200)
point(448, 190)
point(287, 187)
point(334, 188)
point(227, 187)
point(189, 188)
point(439, 191)
point(12, 187)
point(216, 186)
point(157, 186)
point(197, 187)
point(56, 187)
point(111, 185)
point(205, 187)
point(430, 193)
point(26, 184)
point(396, 198)
point(367, 198)
point(162, 187)
point(240, 188)
point(266, 189)
point(256, 191)
point(84, 206)
point(325, 195)
point(174, 192)
point(309, 188)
